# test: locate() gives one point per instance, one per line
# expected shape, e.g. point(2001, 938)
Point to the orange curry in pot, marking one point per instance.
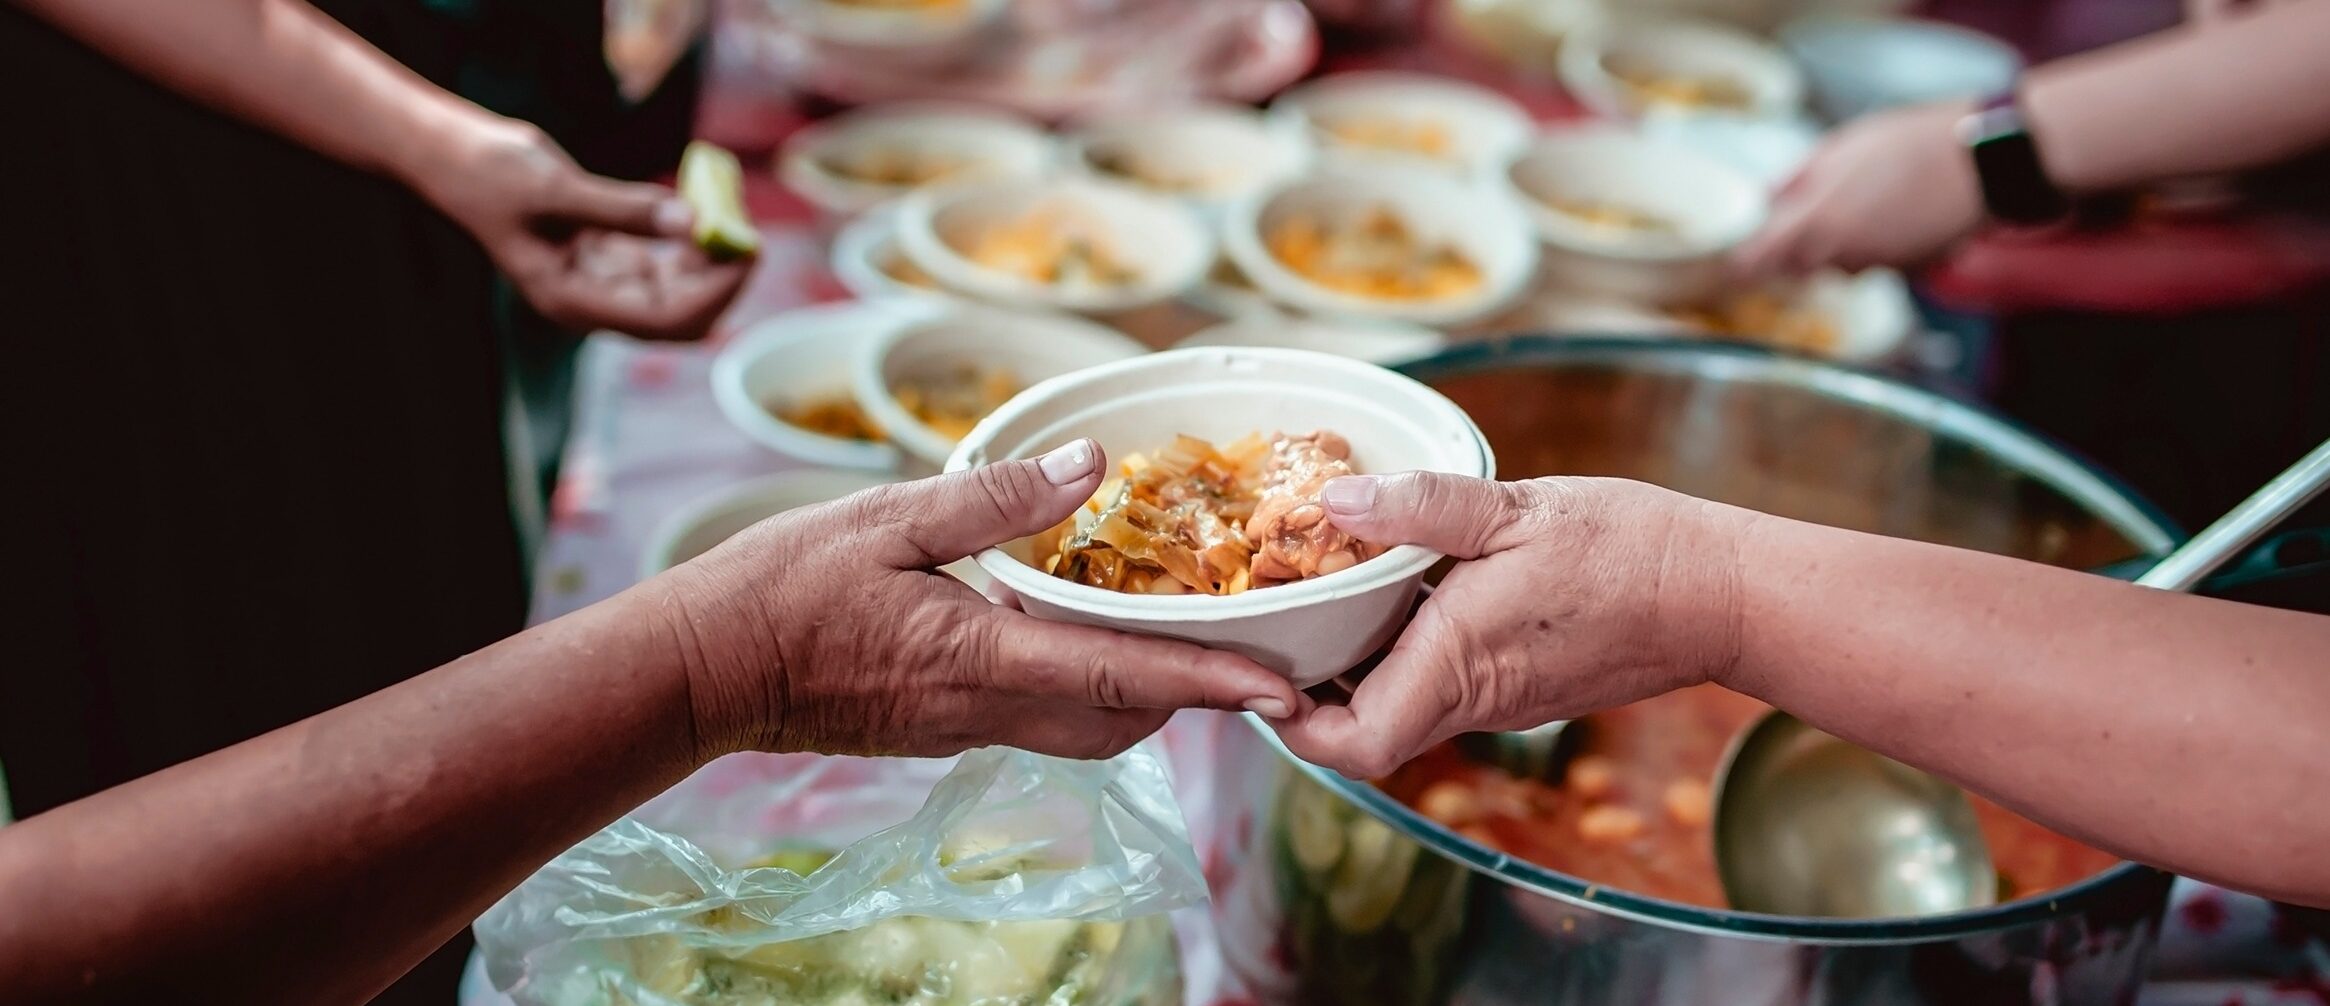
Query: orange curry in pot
point(1632, 810)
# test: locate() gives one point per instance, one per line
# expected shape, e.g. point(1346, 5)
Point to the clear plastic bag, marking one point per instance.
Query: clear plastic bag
point(996, 878)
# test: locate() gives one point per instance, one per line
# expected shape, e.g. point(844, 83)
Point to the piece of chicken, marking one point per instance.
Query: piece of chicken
point(1292, 537)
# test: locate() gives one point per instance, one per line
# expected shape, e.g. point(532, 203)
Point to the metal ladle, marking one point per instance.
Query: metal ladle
point(1807, 824)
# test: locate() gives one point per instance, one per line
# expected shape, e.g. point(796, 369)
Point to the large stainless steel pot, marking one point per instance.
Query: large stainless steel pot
point(1345, 896)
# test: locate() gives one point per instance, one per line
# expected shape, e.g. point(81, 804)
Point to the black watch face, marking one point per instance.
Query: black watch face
point(2014, 185)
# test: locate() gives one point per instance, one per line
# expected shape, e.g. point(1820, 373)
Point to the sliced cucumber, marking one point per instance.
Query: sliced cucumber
point(713, 184)
point(1372, 877)
point(1313, 830)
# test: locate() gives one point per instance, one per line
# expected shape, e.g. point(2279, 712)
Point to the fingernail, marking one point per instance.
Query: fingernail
point(1349, 496)
point(1268, 708)
point(674, 217)
point(1067, 464)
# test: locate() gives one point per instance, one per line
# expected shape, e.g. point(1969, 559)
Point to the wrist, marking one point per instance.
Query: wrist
point(723, 649)
point(1703, 608)
point(433, 144)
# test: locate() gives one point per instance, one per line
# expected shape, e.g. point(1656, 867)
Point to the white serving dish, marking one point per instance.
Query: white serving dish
point(1483, 129)
point(1711, 207)
point(1163, 242)
point(990, 142)
point(1033, 347)
point(806, 354)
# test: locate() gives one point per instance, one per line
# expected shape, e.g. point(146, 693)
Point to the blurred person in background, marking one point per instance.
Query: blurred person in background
point(2185, 352)
point(293, 431)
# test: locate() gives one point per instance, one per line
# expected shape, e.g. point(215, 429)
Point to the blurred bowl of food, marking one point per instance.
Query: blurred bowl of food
point(1210, 528)
point(786, 382)
point(1379, 342)
point(907, 33)
point(1397, 243)
point(1525, 33)
point(1206, 154)
point(1863, 318)
point(1625, 216)
point(1057, 243)
point(869, 263)
point(855, 161)
point(1860, 64)
point(928, 381)
point(1410, 119)
point(1630, 67)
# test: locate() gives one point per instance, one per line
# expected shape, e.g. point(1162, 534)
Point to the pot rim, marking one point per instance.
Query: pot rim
point(2103, 495)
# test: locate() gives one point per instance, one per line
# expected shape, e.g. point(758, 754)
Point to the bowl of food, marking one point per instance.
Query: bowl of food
point(858, 160)
point(701, 525)
point(786, 382)
point(1383, 242)
point(1625, 216)
point(1206, 154)
point(1378, 342)
point(1859, 318)
point(1406, 118)
point(1632, 67)
point(900, 32)
point(1210, 527)
point(868, 261)
point(1068, 244)
point(927, 382)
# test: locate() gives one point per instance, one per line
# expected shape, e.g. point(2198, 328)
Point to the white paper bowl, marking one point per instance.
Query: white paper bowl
point(902, 34)
point(1677, 46)
point(1871, 309)
point(1032, 347)
point(1712, 206)
point(1379, 342)
point(1233, 150)
point(1311, 630)
point(865, 251)
point(1482, 223)
point(696, 528)
point(1162, 241)
point(802, 355)
point(1484, 128)
point(992, 143)
point(1858, 65)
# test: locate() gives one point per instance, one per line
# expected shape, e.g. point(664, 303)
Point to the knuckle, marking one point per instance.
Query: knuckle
point(1008, 489)
point(1102, 687)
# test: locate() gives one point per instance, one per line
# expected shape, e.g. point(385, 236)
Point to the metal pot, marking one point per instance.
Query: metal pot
point(1347, 896)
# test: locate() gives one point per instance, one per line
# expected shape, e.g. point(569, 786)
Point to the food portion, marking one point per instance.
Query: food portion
point(712, 184)
point(898, 166)
point(929, 962)
point(1374, 255)
point(833, 416)
point(1195, 519)
point(1426, 139)
point(952, 404)
point(1765, 317)
point(1705, 91)
point(1611, 216)
point(1051, 248)
point(1146, 173)
point(1633, 810)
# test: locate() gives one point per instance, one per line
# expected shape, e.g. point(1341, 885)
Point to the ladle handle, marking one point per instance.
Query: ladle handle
point(2292, 489)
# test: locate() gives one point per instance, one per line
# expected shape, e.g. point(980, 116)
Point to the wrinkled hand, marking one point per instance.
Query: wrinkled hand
point(828, 629)
point(1896, 188)
point(588, 252)
point(1576, 595)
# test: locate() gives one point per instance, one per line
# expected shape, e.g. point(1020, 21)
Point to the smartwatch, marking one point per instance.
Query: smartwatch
point(2015, 186)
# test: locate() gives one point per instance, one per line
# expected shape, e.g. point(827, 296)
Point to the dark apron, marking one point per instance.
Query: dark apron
point(257, 404)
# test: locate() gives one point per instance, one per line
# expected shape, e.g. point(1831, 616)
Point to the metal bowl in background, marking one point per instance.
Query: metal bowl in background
point(1348, 896)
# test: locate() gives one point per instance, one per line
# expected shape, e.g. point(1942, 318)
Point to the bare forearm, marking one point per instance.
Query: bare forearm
point(2179, 731)
point(2245, 93)
point(279, 64)
point(319, 862)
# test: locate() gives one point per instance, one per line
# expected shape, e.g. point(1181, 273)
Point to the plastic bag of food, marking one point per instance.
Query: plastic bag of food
point(1002, 877)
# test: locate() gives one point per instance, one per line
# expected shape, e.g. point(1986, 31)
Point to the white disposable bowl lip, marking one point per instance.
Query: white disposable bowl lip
point(1174, 255)
point(895, 29)
point(798, 488)
point(1502, 226)
point(1777, 84)
point(868, 374)
point(1396, 341)
point(1026, 150)
point(1399, 563)
point(858, 251)
point(1500, 126)
point(1728, 183)
point(1289, 151)
point(817, 329)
